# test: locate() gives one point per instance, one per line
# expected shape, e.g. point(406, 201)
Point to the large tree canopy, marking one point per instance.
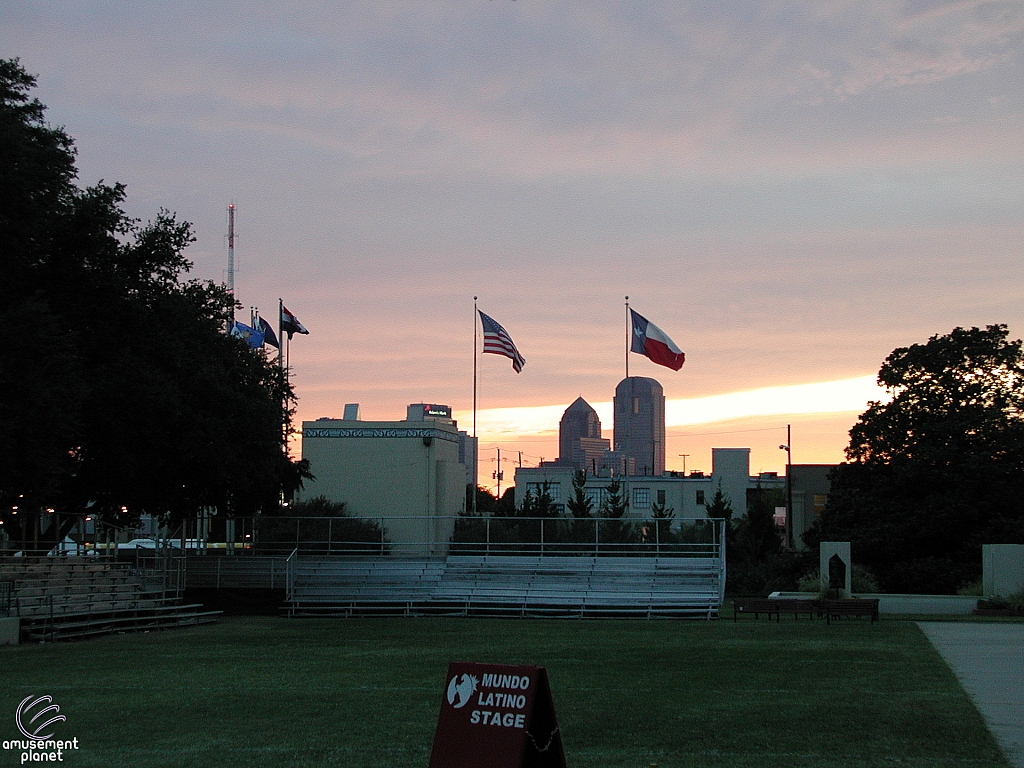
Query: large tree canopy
point(121, 390)
point(938, 469)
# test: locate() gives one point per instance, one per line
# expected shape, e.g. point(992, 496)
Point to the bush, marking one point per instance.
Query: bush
point(776, 573)
point(1017, 602)
point(320, 526)
point(861, 580)
point(1014, 602)
point(971, 589)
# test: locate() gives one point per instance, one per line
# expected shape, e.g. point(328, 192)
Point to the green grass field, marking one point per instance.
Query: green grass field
point(258, 691)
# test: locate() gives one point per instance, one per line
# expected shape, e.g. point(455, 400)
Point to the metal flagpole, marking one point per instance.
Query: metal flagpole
point(628, 336)
point(629, 405)
point(280, 332)
point(476, 443)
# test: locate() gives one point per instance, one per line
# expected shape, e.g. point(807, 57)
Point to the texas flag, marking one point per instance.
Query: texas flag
point(650, 340)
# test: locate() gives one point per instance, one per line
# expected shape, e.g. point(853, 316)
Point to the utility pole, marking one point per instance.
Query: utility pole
point(497, 474)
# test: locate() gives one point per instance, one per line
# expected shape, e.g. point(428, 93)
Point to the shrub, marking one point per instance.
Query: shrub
point(861, 580)
point(971, 589)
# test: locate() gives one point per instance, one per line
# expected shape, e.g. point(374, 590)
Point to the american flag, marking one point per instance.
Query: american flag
point(498, 342)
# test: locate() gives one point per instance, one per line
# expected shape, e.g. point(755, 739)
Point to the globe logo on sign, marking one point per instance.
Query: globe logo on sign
point(31, 729)
point(461, 690)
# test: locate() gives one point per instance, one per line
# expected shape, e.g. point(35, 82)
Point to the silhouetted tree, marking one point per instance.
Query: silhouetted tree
point(580, 504)
point(539, 503)
point(121, 392)
point(660, 528)
point(614, 530)
point(720, 506)
point(938, 469)
point(756, 536)
point(320, 525)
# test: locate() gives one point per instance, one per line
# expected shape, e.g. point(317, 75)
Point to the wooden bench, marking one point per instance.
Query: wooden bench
point(776, 606)
point(858, 606)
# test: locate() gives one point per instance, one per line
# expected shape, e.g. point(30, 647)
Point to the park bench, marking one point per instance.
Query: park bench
point(853, 607)
point(776, 606)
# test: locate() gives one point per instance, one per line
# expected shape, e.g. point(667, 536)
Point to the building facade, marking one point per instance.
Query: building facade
point(686, 495)
point(639, 434)
point(580, 444)
point(408, 472)
point(810, 491)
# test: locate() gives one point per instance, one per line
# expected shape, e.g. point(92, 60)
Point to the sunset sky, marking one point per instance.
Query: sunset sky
point(789, 190)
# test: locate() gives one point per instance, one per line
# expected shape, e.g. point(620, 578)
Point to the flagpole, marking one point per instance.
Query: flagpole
point(627, 336)
point(280, 332)
point(629, 405)
point(476, 443)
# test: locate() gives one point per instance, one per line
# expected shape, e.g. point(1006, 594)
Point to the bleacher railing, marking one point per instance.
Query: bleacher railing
point(430, 536)
point(160, 571)
point(441, 536)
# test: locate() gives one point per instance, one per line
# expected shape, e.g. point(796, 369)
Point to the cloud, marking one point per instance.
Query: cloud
point(842, 396)
point(900, 45)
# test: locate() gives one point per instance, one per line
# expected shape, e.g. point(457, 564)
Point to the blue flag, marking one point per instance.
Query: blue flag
point(250, 336)
point(269, 337)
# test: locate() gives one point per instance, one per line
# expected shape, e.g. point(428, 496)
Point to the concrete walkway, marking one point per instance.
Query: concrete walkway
point(988, 660)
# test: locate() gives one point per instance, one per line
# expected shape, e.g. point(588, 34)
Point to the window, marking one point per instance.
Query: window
point(554, 490)
point(641, 497)
point(661, 498)
point(819, 503)
point(598, 496)
point(700, 498)
point(636, 405)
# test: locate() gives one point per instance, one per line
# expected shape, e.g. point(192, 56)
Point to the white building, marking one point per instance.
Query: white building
point(409, 470)
point(686, 495)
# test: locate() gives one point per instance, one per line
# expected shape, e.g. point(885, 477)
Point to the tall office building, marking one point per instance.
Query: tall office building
point(639, 433)
point(579, 437)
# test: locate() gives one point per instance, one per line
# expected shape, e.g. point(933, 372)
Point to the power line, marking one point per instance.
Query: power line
point(731, 432)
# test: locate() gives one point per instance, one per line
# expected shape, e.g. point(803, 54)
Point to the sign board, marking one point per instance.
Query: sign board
point(496, 716)
point(437, 411)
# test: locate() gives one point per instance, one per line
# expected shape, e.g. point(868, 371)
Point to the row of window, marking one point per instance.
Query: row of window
point(599, 496)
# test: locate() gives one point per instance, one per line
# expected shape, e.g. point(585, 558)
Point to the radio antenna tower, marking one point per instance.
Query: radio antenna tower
point(231, 254)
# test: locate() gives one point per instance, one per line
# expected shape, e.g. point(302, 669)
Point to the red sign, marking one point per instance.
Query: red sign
point(496, 716)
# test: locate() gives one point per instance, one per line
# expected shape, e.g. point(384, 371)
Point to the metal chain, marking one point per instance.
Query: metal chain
point(551, 740)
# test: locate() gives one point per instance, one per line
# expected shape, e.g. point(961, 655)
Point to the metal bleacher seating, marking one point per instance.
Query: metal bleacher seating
point(60, 598)
point(647, 587)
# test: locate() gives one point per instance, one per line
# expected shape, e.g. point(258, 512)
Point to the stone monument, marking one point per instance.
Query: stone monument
point(835, 568)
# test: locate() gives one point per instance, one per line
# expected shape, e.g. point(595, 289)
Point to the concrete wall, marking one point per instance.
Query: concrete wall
point(731, 466)
point(926, 605)
point(1002, 567)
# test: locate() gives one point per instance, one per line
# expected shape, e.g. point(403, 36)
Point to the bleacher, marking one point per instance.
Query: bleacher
point(62, 598)
point(470, 585)
point(363, 586)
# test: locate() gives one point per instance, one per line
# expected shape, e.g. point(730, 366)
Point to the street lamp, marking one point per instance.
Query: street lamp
point(788, 448)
